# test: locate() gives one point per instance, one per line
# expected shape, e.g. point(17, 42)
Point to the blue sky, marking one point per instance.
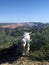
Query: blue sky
point(13, 11)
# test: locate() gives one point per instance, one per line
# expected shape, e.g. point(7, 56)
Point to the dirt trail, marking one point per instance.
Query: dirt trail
point(25, 61)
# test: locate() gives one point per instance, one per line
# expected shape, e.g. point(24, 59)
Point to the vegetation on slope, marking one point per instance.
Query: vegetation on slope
point(39, 44)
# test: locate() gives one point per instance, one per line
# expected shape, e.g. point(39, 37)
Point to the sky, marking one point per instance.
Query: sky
point(16, 11)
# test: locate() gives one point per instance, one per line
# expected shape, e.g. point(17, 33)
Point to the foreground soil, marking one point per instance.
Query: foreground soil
point(26, 61)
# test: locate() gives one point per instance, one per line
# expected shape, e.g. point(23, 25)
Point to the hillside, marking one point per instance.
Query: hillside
point(10, 45)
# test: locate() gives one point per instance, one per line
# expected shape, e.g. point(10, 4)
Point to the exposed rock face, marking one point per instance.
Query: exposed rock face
point(15, 25)
point(21, 26)
point(11, 26)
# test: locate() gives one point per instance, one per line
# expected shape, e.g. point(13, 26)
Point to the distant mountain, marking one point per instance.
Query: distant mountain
point(22, 26)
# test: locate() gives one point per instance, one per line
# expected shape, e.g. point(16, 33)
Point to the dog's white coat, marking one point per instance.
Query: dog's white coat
point(26, 41)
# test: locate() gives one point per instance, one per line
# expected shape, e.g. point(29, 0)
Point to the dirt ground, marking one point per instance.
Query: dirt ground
point(25, 61)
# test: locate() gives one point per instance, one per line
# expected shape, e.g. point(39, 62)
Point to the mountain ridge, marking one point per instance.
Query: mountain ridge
point(16, 25)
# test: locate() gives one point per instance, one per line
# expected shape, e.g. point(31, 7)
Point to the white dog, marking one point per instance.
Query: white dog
point(26, 43)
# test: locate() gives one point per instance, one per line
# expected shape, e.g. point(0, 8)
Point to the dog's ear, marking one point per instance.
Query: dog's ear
point(30, 32)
